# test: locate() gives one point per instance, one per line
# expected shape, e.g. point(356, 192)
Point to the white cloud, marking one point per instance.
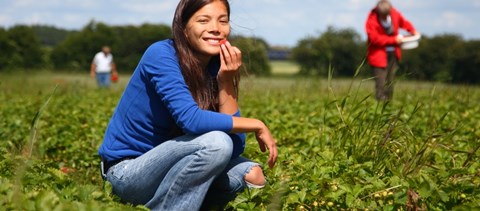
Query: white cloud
point(277, 21)
point(48, 4)
point(277, 2)
point(157, 7)
point(34, 18)
point(75, 20)
point(452, 20)
point(5, 20)
point(24, 3)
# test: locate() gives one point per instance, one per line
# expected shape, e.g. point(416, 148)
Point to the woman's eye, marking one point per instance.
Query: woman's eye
point(203, 21)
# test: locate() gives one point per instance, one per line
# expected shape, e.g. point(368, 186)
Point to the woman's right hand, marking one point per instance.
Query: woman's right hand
point(230, 62)
point(262, 134)
point(266, 141)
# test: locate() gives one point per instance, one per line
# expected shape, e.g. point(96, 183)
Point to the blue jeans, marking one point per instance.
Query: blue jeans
point(177, 174)
point(103, 80)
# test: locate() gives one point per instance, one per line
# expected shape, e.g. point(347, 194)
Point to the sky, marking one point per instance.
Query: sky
point(279, 22)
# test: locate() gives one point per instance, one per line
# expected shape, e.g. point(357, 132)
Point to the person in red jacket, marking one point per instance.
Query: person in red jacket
point(382, 27)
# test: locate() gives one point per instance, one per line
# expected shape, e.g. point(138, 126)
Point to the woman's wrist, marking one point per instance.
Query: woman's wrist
point(246, 125)
point(225, 80)
point(259, 125)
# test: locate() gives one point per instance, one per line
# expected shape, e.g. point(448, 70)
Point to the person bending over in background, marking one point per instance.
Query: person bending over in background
point(102, 66)
point(382, 27)
point(176, 136)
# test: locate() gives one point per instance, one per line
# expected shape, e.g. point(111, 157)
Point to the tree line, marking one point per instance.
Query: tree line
point(446, 57)
point(46, 47)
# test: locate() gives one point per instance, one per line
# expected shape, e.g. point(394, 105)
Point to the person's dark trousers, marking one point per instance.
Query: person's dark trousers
point(384, 78)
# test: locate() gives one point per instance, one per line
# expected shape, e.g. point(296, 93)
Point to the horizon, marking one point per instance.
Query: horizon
point(266, 19)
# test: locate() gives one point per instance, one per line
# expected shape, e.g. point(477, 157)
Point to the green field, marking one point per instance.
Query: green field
point(284, 68)
point(338, 147)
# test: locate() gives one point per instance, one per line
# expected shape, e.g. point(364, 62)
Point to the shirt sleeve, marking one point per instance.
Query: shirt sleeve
point(238, 140)
point(375, 32)
point(405, 24)
point(161, 68)
point(241, 136)
point(95, 58)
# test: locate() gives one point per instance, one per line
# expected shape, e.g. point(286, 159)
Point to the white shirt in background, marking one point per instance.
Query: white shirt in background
point(103, 62)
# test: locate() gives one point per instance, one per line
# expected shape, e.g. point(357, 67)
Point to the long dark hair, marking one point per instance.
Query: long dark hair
point(203, 87)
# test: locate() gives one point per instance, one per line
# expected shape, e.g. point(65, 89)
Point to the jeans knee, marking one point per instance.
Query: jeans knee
point(255, 177)
point(221, 143)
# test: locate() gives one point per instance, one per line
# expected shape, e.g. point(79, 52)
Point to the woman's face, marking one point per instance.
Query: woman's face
point(207, 27)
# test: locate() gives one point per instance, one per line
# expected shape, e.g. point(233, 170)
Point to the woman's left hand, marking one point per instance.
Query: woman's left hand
point(230, 62)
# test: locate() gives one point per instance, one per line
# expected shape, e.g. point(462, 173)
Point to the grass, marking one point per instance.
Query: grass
point(339, 148)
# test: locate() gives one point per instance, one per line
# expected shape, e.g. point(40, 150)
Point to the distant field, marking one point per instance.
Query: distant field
point(339, 149)
point(284, 67)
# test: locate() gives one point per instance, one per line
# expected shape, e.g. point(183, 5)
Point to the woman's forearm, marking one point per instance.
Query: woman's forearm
point(246, 125)
point(230, 63)
point(227, 98)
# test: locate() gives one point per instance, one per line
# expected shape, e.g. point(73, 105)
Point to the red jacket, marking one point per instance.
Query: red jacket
point(378, 39)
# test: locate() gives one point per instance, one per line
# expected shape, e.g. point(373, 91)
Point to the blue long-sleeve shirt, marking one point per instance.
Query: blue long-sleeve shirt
point(155, 101)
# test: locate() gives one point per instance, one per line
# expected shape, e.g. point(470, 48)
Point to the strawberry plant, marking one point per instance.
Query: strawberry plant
point(339, 149)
